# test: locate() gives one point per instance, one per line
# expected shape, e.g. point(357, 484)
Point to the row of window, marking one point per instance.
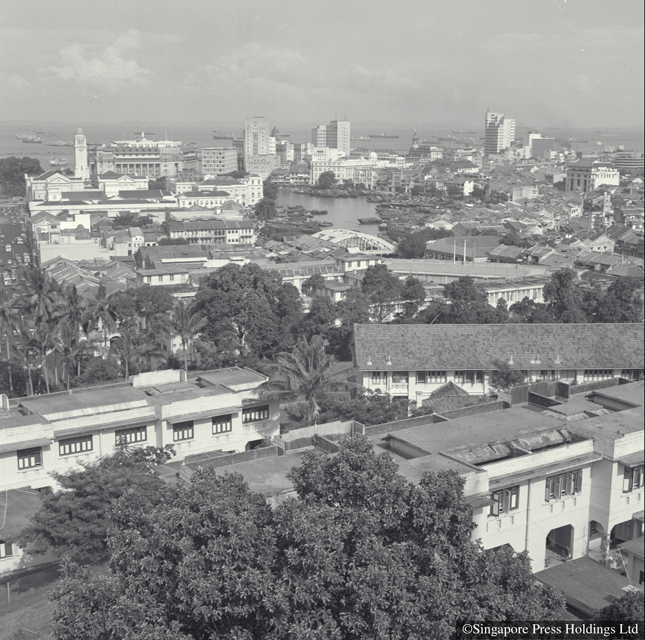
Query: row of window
point(30, 458)
point(556, 488)
point(563, 485)
point(429, 377)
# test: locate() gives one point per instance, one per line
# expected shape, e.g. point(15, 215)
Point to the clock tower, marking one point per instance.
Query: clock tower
point(81, 167)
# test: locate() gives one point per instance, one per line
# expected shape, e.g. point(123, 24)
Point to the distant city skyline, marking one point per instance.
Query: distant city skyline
point(559, 63)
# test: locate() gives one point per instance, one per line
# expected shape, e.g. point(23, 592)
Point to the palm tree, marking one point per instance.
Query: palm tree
point(100, 312)
point(41, 296)
point(9, 321)
point(42, 342)
point(74, 307)
point(128, 345)
point(187, 325)
point(305, 375)
point(67, 343)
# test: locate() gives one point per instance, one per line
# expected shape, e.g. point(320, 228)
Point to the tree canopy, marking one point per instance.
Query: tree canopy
point(413, 244)
point(383, 289)
point(248, 309)
point(74, 522)
point(327, 180)
point(12, 174)
point(361, 554)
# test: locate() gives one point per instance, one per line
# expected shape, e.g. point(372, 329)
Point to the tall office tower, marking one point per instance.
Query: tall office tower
point(81, 166)
point(500, 132)
point(335, 135)
point(256, 137)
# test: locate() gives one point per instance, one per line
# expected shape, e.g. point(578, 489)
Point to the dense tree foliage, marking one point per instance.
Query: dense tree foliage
point(628, 608)
point(12, 175)
point(320, 319)
point(383, 289)
point(368, 410)
point(327, 180)
point(171, 241)
point(312, 284)
point(74, 522)
point(504, 376)
point(265, 209)
point(361, 554)
point(564, 299)
point(248, 309)
point(413, 295)
point(468, 305)
point(413, 244)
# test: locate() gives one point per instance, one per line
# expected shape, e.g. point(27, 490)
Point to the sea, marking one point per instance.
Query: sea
point(398, 137)
point(343, 213)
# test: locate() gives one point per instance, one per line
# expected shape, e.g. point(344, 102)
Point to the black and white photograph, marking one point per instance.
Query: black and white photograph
point(322, 320)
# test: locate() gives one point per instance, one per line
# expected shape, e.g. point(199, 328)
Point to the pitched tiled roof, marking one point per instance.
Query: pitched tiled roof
point(530, 346)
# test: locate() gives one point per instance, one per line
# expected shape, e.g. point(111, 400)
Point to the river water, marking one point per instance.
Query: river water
point(343, 212)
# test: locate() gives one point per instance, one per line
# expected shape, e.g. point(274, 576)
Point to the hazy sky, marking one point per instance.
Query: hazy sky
point(544, 62)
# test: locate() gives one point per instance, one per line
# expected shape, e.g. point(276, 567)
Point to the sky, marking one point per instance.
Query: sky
point(547, 63)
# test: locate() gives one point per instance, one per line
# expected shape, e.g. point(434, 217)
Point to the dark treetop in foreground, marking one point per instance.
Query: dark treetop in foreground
point(361, 554)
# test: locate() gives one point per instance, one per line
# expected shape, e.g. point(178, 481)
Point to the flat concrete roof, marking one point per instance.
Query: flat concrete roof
point(612, 425)
point(496, 426)
point(180, 395)
point(636, 547)
point(576, 404)
point(413, 470)
point(233, 376)
point(633, 392)
point(586, 581)
point(80, 402)
point(267, 476)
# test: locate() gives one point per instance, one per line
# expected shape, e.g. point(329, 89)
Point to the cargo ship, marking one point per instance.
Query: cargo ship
point(33, 140)
point(61, 143)
point(218, 136)
point(58, 162)
point(383, 135)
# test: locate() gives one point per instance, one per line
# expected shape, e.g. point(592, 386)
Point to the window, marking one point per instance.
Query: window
point(29, 458)
point(563, 485)
point(591, 375)
point(378, 377)
point(148, 279)
point(255, 413)
point(74, 445)
point(632, 478)
point(222, 424)
point(182, 431)
point(504, 501)
point(6, 549)
point(400, 377)
point(431, 377)
point(128, 436)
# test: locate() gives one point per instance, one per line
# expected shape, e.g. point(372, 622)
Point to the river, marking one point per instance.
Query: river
point(343, 212)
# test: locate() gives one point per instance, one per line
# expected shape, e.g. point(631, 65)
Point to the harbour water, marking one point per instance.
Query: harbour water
point(343, 212)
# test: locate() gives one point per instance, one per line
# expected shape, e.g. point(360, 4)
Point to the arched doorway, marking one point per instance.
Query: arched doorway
point(559, 545)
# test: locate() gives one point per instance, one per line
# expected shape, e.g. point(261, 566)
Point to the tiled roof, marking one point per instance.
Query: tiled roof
point(529, 346)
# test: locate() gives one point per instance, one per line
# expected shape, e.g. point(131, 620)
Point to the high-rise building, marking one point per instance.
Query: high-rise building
point(81, 167)
point(500, 133)
point(335, 135)
point(256, 137)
